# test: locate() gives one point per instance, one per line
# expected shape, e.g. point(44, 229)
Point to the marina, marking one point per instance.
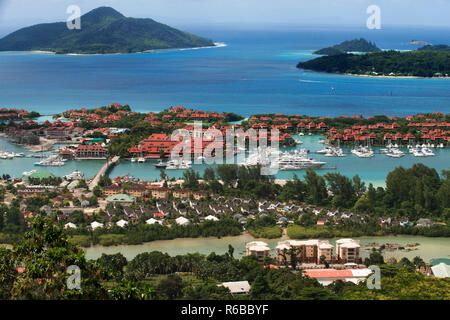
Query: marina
point(371, 170)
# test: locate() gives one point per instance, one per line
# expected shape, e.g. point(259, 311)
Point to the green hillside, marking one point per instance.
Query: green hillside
point(103, 30)
point(357, 45)
point(426, 63)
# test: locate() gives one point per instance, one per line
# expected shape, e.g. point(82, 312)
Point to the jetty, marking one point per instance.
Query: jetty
point(103, 170)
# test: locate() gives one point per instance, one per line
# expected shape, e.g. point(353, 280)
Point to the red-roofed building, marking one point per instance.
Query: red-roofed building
point(91, 151)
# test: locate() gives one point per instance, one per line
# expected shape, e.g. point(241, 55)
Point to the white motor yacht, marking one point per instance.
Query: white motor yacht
point(28, 173)
point(395, 153)
point(418, 153)
point(427, 152)
point(363, 152)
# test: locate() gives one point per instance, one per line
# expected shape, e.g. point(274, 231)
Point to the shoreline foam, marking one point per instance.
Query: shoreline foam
point(216, 45)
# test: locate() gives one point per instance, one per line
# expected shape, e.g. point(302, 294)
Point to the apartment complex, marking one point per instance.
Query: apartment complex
point(259, 249)
point(308, 251)
point(311, 251)
point(348, 251)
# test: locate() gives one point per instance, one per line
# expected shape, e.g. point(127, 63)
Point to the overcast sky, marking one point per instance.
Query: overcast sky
point(235, 13)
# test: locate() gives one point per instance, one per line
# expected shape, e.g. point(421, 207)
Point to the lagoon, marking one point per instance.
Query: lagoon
point(429, 247)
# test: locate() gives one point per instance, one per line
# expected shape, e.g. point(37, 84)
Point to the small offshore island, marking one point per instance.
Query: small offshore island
point(427, 61)
point(357, 45)
point(104, 31)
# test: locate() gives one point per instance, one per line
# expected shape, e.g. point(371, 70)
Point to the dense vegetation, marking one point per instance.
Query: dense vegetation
point(139, 233)
point(436, 47)
point(425, 63)
point(45, 254)
point(410, 194)
point(103, 30)
point(357, 45)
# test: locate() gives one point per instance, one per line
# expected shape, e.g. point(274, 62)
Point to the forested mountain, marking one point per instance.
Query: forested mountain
point(357, 45)
point(423, 63)
point(103, 30)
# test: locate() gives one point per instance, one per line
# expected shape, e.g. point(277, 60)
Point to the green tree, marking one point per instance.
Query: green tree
point(316, 188)
point(209, 174)
point(170, 287)
point(45, 255)
point(228, 173)
point(113, 264)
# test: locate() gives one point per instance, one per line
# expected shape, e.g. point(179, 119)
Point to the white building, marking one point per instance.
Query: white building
point(153, 221)
point(70, 225)
point(328, 276)
point(121, 223)
point(95, 225)
point(182, 221)
point(237, 287)
point(259, 249)
point(348, 250)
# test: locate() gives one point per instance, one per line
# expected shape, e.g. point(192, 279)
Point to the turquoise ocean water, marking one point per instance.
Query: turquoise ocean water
point(255, 73)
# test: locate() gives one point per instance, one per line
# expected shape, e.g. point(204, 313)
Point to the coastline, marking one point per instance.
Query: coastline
point(391, 77)
point(216, 45)
point(44, 144)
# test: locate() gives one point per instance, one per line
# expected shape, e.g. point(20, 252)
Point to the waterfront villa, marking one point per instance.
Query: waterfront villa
point(91, 152)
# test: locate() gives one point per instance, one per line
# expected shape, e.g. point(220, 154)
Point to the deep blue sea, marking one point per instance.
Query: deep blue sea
point(255, 73)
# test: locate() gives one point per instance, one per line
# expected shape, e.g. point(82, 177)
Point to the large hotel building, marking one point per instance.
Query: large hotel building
point(308, 251)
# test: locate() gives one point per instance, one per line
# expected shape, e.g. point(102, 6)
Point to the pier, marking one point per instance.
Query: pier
point(103, 170)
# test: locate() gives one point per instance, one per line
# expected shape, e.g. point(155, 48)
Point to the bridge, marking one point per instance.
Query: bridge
point(103, 170)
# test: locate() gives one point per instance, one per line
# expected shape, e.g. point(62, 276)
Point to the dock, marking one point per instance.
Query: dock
point(103, 170)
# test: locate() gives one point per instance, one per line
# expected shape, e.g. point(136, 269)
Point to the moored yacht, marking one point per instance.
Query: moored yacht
point(363, 152)
point(395, 153)
point(76, 175)
point(161, 164)
point(427, 152)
